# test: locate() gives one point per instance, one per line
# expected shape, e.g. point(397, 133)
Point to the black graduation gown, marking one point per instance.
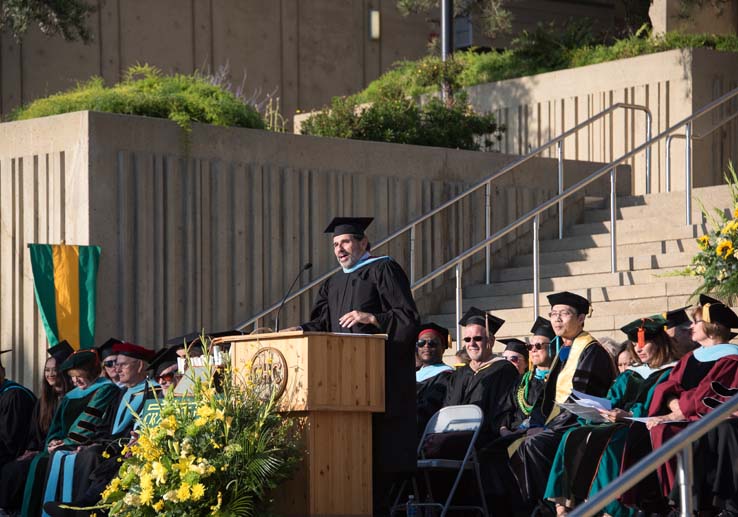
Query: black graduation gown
point(715, 458)
point(16, 408)
point(430, 395)
point(530, 391)
point(382, 289)
point(490, 388)
point(533, 459)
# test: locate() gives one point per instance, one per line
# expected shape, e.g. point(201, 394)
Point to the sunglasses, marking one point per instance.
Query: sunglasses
point(430, 342)
point(536, 346)
point(513, 358)
point(167, 377)
point(109, 364)
point(476, 339)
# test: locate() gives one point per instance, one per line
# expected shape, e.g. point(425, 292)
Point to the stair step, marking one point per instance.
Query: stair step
point(594, 266)
point(657, 234)
point(570, 283)
point(672, 213)
point(625, 226)
point(718, 196)
point(684, 286)
point(603, 253)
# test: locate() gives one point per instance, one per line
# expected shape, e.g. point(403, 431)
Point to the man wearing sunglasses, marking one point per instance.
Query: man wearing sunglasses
point(581, 364)
point(487, 381)
point(431, 380)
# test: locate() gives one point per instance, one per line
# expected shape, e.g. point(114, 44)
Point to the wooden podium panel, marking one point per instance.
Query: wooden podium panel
point(332, 385)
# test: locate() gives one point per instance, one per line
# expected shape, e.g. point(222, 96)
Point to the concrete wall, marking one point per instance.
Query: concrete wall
point(716, 16)
point(671, 84)
point(209, 235)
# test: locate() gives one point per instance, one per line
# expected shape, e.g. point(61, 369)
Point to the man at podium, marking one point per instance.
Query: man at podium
point(372, 296)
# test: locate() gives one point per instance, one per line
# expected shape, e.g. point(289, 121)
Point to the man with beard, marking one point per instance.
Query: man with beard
point(581, 364)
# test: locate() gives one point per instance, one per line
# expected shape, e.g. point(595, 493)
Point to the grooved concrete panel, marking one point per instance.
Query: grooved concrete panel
point(207, 232)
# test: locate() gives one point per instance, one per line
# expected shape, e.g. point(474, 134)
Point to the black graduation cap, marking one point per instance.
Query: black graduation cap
point(676, 317)
point(106, 349)
point(79, 358)
point(580, 303)
point(61, 351)
point(516, 345)
point(644, 328)
point(163, 359)
point(476, 316)
point(542, 327)
point(704, 299)
point(352, 225)
point(1, 355)
point(443, 332)
point(719, 313)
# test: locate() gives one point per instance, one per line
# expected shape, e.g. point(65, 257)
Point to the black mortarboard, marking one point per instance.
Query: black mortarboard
point(580, 303)
point(676, 317)
point(476, 316)
point(644, 328)
point(352, 225)
point(707, 299)
point(1, 355)
point(60, 352)
point(516, 345)
point(542, 327)
point(106, 349)
point(164, 358)
point(79, 359)
point(719, 313)
point(441, 331)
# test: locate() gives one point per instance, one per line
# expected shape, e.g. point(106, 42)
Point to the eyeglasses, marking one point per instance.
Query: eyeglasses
point(513, 358)
point(476, 339)
point(109, 364)
point(537, 346)
point(563, 314)
point(167, 377)
point(430, 342)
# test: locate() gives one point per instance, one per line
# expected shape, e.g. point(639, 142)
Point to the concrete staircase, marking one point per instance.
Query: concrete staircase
point(652, 241)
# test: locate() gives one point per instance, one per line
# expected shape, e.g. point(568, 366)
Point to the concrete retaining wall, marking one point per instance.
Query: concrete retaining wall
point(209, 232)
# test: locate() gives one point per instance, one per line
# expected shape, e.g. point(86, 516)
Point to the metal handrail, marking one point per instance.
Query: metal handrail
point(694, 137)
point(534, 214)
point(487, 183)
point(679, 444)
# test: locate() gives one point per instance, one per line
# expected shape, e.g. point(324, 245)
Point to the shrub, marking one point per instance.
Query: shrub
point(147, 92)
point(393, 117)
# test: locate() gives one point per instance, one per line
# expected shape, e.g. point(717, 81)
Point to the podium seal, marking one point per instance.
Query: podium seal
point(269, 373)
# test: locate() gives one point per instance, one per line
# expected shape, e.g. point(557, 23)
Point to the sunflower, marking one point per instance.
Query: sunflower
point(724, 249)
point(703, 242)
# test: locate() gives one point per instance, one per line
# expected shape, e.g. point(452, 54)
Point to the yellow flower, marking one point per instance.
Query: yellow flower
point(735, 213)
point(147, 495)
point(106, 455)
point(703, 241)
point(198, 490)
point(199, 422)
point(159, 472)
point(724, 249)
point(183, 492)
point(158, 506)
point(205, 411)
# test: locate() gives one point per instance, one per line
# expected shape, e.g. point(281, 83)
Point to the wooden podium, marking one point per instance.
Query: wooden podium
point(332, 383)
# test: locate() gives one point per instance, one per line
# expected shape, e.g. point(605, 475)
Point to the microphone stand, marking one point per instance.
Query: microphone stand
point(284, 298)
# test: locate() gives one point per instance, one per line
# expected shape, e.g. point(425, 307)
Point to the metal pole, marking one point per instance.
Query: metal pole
point(447, 28)
point(684, 479)
point(688, 170)
point(613, 217)
point(648, 152)
point(412, 254)
point(536, 265)
point(668, 162)
point(459, 295)
point(560, 158)
point(487, 231)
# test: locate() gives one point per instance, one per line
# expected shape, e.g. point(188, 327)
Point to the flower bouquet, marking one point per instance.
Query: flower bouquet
point(218, 452)
point(716, 262)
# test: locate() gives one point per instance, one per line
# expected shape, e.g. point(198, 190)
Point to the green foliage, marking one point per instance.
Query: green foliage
point(393, 117)
point(65, 17)
point(147, 92)
point(492, 15)
point(543, 50)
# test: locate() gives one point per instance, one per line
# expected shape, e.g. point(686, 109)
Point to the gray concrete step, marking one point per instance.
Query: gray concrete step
point(658, 234)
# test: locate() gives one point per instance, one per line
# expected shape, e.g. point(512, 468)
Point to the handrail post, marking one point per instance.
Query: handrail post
point(560, 158)
point(412, 254)
point(487, 231)
point(648, 152)
point(536, 265)
point(613, 217)
point(685, 475)
point(668, 162)
point(688, 171)
point(459, 298)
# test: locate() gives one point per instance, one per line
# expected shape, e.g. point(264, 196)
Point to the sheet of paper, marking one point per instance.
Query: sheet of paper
point(588, 413)
point(584, 399)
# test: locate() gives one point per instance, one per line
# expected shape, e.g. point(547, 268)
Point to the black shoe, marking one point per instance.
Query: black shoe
point(54, 508)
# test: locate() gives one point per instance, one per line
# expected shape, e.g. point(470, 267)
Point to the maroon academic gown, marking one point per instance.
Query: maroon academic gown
point(690, 382)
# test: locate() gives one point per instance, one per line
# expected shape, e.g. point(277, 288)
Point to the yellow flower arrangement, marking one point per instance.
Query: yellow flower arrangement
point(218, 453)
point(716, 262)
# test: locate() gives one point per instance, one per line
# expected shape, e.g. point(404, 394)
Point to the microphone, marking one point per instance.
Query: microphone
point(284, 299)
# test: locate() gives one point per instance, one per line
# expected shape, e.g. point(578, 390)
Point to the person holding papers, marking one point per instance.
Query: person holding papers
point(588, 457)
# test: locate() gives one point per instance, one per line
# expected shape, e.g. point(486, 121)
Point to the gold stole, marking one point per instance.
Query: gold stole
point(565, 379)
